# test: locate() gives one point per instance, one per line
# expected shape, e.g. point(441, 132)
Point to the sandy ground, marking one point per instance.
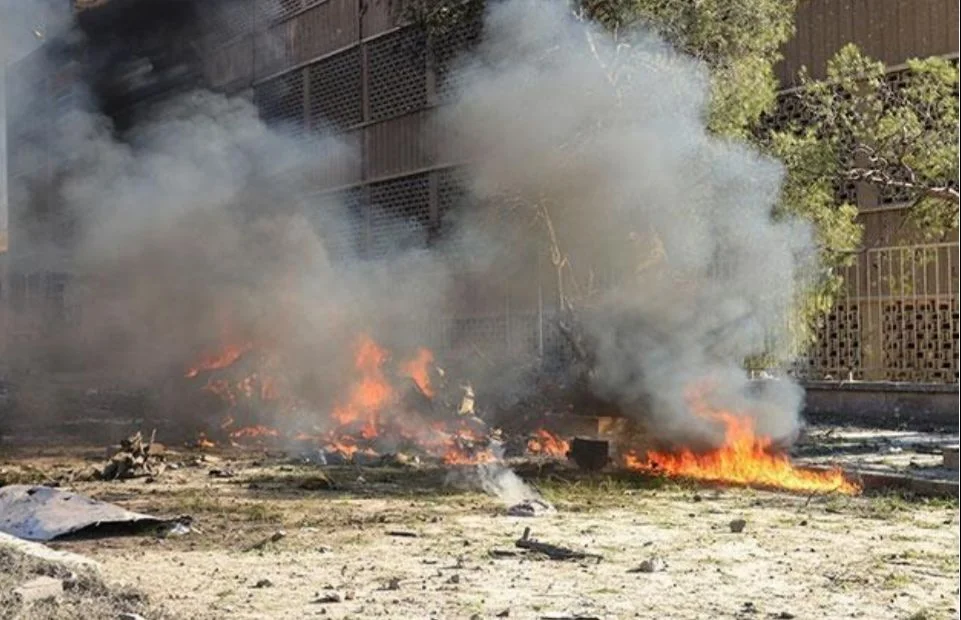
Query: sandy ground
point(798, 556)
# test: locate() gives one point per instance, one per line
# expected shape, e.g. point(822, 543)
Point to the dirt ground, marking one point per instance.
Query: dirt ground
point(881, 556)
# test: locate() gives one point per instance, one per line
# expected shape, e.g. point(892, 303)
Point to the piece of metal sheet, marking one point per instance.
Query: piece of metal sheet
point(46, 513)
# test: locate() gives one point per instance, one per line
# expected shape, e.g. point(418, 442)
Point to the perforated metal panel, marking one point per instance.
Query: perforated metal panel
point(400, 214)
point(280, 101)
point(447, 48)
point(335, 91)
point(397, 74)
point(340, 221)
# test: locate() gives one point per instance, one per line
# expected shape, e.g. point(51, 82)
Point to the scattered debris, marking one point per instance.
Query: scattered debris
point(39, 589)
point(737, 525)
point(317, 482)
point(554, 552)
point(652, 565)
point(590, 454)
point(330, 597)
point(503, 553)
point(276, 536)
point(135, 458)
point(530, 508)
point(45, 513)
point(403, 533)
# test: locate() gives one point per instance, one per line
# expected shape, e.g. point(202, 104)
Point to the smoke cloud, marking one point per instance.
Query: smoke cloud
point(605, 143)
point(196, 223)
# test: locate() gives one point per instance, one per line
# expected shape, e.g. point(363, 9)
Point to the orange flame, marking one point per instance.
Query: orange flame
point(548, 444)
point(222, 359)
point(418, 369)
point(744, 458)
point(371, 393)
point(258, 430)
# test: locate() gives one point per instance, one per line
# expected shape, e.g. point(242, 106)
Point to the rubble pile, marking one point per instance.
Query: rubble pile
point(134, 458)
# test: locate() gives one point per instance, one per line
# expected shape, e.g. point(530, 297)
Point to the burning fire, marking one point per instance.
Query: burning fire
point(546, 443)
point(221, 359)
point(371, 413)
point(744, 458)
point(418, 369)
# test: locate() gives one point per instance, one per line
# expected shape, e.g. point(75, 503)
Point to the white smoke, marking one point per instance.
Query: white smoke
point(608, 139)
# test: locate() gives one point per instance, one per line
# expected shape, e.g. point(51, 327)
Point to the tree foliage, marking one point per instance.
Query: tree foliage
point(897, 140)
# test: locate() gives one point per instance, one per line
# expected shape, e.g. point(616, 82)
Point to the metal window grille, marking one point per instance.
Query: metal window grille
point(335, 91)
point(397, 74)
point(280, 101)
point(400, 214)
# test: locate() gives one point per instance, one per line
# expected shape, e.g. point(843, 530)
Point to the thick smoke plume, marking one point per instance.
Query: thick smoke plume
point(196, 224)
point(604, 144)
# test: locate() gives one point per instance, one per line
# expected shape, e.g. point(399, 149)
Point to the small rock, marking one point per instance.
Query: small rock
point(318, 482)
point(393, 584)
point(652, 565)
point(264, 583)
point(454, 579)
point(803, 522)
point(504, 614)
point(697, 497)
point(737, 525)
point(530, 508)
point(330, 597)
point(749, 608)
point(130, 616)
point(785, 615)
point(39, 589)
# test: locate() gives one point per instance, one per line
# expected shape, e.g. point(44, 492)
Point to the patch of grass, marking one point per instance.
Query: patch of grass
point(895, 581)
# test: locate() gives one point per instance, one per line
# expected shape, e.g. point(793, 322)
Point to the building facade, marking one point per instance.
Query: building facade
point(358, 68)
